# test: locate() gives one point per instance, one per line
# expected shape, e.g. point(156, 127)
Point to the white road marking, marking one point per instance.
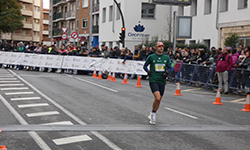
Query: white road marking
point(97, 134)
point(24, 98)
point(11, 84)
point(181, 113)
point(69, 75)
point(32, 105)
point(6, 89)
point(19, 93)
point(34, 135)
point(107, 88)
point(73, 139)
point(59, 123)
point(38, 114)
point(7, 76)
point(9, 81)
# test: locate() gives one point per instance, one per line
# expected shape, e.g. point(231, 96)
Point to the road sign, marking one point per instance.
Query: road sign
point(64, 29)
point(64, 36)
point(74, 35)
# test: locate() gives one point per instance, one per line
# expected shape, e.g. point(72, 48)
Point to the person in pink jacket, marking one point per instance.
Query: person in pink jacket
point(223, 66)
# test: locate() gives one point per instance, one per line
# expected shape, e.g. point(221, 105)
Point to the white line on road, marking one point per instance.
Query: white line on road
point(11, 84)
point(24, 98)
point(6, 76)
point(59, 123)
point(180, 113)
point(34, 135)
point(9, 81)
point(73, 139)
point(107, 88)
point(6, 89)
point(97, 134)
point(32, 105)
point(38, 114)
point(69, 75)
point(19, 93)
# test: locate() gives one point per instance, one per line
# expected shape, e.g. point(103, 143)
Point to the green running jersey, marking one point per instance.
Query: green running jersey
point(158, 65)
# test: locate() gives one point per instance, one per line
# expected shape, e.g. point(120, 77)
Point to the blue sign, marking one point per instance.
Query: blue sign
point(139, 28)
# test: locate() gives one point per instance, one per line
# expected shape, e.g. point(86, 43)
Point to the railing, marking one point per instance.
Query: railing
point(56, 32)
point(70, 14)
point(58, 1)
point(96, 7)
point(58, 16)
point(95, 29)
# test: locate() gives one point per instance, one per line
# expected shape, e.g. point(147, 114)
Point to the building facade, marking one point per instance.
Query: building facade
point(45, 30)
point(32, 10)
point(213, 20)
point(142, 21)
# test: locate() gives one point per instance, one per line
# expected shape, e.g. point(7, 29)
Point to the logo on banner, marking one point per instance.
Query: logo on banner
point(139, 28)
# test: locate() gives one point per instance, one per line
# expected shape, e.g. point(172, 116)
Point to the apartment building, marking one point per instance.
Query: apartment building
point(32, 10)
point(213, 20)
point(45, 30)
point(142, 21)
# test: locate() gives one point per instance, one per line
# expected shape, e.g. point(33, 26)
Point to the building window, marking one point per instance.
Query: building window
point(208, 7)
point(194, 8)
point(148, 10)
point(104, 15)
point(110, 13)
point(72, 25)
point(223, 5)
point(118, 15)
point(242, 4)
point(85, 3)
point(72, 6)
point(24, 32)
point(25, 6)
point(84, 23)
point(36, 21)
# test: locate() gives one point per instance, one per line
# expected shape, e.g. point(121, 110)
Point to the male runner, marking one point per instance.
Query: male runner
point(159, 65)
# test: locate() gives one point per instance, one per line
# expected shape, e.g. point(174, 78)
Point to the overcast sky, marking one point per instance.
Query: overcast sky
point(46, 4)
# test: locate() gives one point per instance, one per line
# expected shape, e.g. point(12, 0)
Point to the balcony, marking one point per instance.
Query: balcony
point(58, 16)
point(57, 32)
point(70, 15)
point(45, 21)
point(95, 29)
point(36, 38)
point(96, 8)
point(22, 37)
point(45, 32)
point(36, 27)
point(58, 1)
point(27, 1)
point(27, 25)
point(37, 15)
point(26, 12)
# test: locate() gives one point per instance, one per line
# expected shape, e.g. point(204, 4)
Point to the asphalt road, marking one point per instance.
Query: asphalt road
point(41, 110)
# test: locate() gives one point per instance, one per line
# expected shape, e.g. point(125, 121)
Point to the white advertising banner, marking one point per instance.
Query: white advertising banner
point(73, 62)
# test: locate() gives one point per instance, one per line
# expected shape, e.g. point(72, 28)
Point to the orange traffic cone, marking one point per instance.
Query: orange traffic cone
point(138, 82)
point(3, 147)
point(99, 75)
point(217, 99)
point(178, 90)
point(125, 80)
point(247, 105)
point(113, 77)
point(109, 76)
point(94, 74)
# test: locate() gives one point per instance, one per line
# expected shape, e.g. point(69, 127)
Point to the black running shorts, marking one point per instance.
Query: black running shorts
point(154, 86)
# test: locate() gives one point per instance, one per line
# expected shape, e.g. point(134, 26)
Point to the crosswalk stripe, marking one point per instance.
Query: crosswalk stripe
point(73, 139)
point(32, 105)
point(24, 98)
point(6, 89)
point(19, 93)
point(8, 78)
point(59, 123)
point(11, 84)
point(43, 114)
point(9, 81)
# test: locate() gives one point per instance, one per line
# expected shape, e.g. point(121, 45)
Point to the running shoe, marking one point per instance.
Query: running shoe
point(152, 118)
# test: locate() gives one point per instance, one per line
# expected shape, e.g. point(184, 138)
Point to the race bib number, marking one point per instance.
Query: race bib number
point(159, 67)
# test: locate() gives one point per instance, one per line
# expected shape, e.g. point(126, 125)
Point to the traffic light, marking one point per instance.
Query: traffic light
point(122, 35)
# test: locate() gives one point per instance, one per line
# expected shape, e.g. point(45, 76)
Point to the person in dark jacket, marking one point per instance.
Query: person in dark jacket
point(193, 56)
point(224, 64)
point(143, 54)
point(6, 46)
point(186, 57)
point(201, 57)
